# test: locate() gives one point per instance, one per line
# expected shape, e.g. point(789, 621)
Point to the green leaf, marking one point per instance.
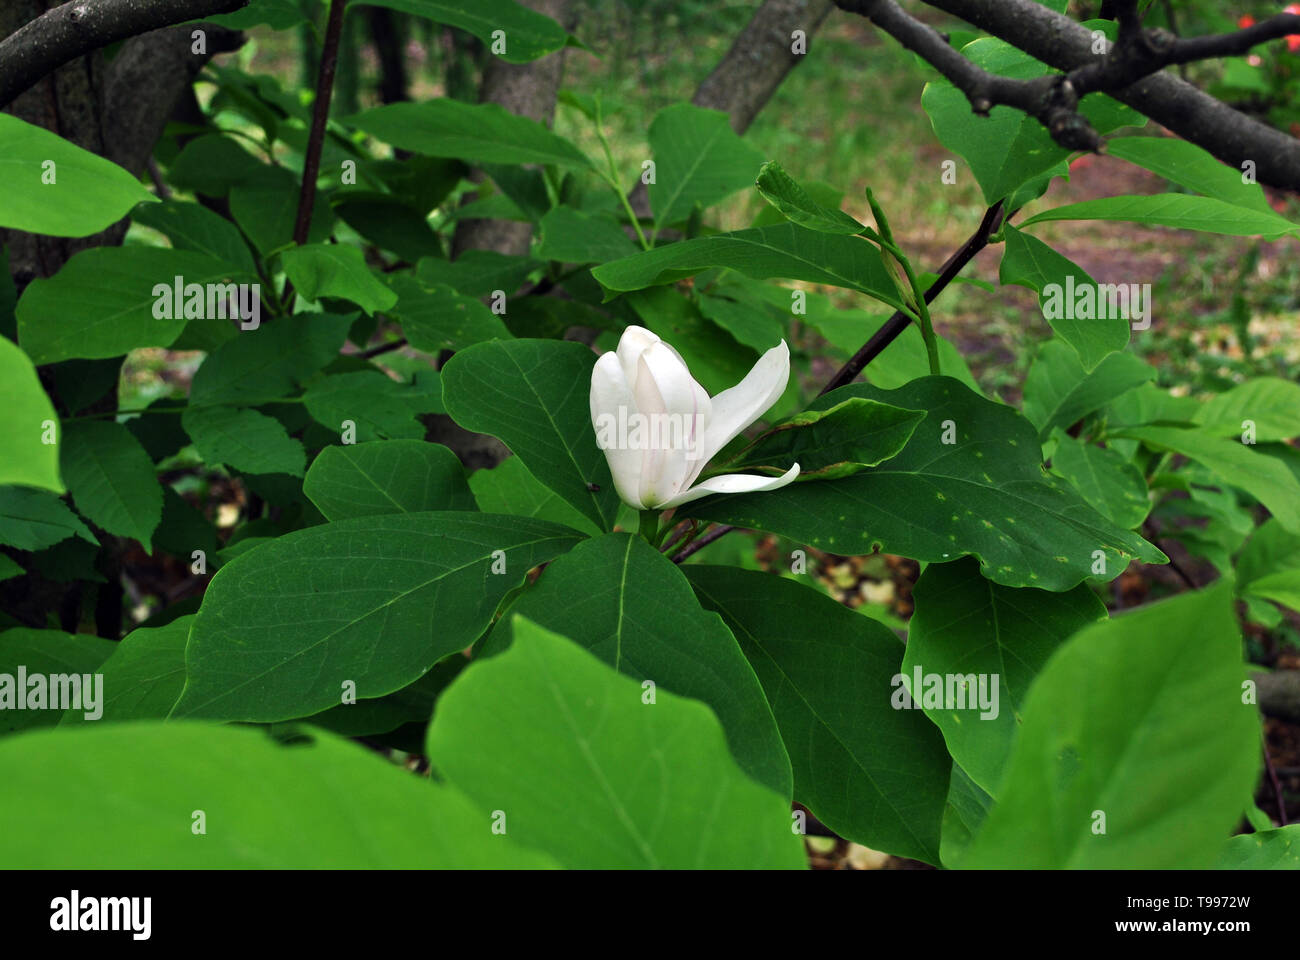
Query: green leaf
point(1140, 719)
point(751, 324)
point(618, 598)
point(969, 630)
point(1270, 403)
point(144, 674)
point(480, 132)
point(112, 479)
point(1028, 262)
point(265, 205)
point(1109, 482)
point(335, 270)
point(571, 236)
point(378, 406)
point(107, 301)
point(699, 160)
point(1059, 392)
point(510, 488)
point(1264, 850)
point(337, 805)
point(277, 14)
point(716, 360)
point(1264, 478)
point(787, 251)
point(24, 456)
point(477, 273)
point(436, 318)
point(212, 164)
point(246, 440)
point(191, 226)
point(34, 519)
point(57, 673)
point(389, 223)
point(270, 362)
point(9, 568)
point(1190, 166)
point(904, 360)
point(967, 807)
point(984, 494)
point(56, 188)
point(532, 395)
point(1009, 148)
point(784, 193)
point(1181, 210)
point(871, 773)
point(832, 443)
point(374, 601)
point(546, 729)
point(528, 34)
point(386, 476)
point(414, 703)
point(1269, 565)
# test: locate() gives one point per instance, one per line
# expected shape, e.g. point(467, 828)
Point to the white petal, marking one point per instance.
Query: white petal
point(736, 408)
point(609, 392)
point(675, 413)
point(634, 342)
point(733, 483)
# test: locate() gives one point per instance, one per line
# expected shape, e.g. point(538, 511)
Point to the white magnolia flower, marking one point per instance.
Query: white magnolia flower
point(659, 428)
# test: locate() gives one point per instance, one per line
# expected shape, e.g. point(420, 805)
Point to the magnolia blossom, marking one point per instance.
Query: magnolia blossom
point(658, 427)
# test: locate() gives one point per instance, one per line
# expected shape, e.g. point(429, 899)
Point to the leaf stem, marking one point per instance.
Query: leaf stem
point(611, 177)
point(886, 241)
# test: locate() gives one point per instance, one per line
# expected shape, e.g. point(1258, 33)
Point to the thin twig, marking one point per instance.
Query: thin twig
point(383, 348)
point(701, 542)
point(1277, 784)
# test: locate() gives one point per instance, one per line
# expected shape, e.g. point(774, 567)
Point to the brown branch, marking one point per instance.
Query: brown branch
point(329, 61)
point(1064, 44)
point(43, 45)
point(701, 542)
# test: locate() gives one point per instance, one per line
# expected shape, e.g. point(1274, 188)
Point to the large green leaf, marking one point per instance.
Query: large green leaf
point(243, 439)
point(35, 519)
point(435, 317)
point(112, 479)
point(336, 270)
point(191, 226)
point(510, 488)
point(483, 132)
point(699, 160)
point(1193, 167)
point(1266, 850)
point(265, 205)
point(54, 665)
point(1059, 391)
point(571, 236)
point(1182, 210)
point(56, 188)
point(985, 494)
point(1264, 478)
point(1139, 720)
point(386, 476)
point(619, 598)
point(1269, 565)
point(1008, 148)
point(869, 772)
point(787, 250)
point(533, 396)
point(102, 303)
point(527, 33)
point(24, 456)
point(143, 675)
point(378, 406)
point(1028, 262)
point(375, 601)
point(1108, 481)
point(476, 273)
point(546, 732)
point(1271, 404)
point(139, 789)
point(974, 631)
point(269, 363)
